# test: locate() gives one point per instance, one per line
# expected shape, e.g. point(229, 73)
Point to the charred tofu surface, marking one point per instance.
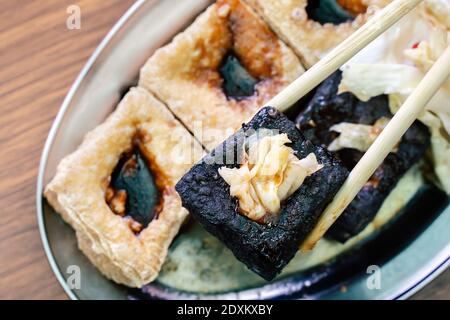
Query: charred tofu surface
point(318, 122)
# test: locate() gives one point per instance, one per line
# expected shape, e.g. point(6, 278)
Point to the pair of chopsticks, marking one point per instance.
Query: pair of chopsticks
point(396, 127)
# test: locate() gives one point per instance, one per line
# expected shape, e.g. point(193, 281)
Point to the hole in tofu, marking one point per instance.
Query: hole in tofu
point(237, 83)
point(133, 192)
point(334, 11)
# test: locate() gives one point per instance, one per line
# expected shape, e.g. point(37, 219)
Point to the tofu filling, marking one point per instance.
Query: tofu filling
point(334, 11)
point(238, 83)
point(133, 193)
point(269, 174)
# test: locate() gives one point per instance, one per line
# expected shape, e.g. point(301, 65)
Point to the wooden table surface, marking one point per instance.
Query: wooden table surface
point(39, 59)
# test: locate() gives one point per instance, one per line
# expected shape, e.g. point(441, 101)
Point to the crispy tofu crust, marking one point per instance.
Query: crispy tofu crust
point(77, 191)
point(309, 39)
point(184, 74)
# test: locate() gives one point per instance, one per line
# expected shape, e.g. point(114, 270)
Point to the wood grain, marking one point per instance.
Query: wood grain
point(39, 60)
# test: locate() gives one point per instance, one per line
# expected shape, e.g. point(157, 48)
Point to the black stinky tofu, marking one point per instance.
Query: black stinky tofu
point(264, 248)
point(327, 108)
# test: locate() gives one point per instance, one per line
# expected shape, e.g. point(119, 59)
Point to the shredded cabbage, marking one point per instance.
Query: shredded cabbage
point(397, 61)
point(356, 136)
point(270, 173)
point(440, 9)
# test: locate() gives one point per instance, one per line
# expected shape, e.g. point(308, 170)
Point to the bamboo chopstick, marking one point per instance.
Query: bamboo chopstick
point(385, 142)
point(342, 53)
